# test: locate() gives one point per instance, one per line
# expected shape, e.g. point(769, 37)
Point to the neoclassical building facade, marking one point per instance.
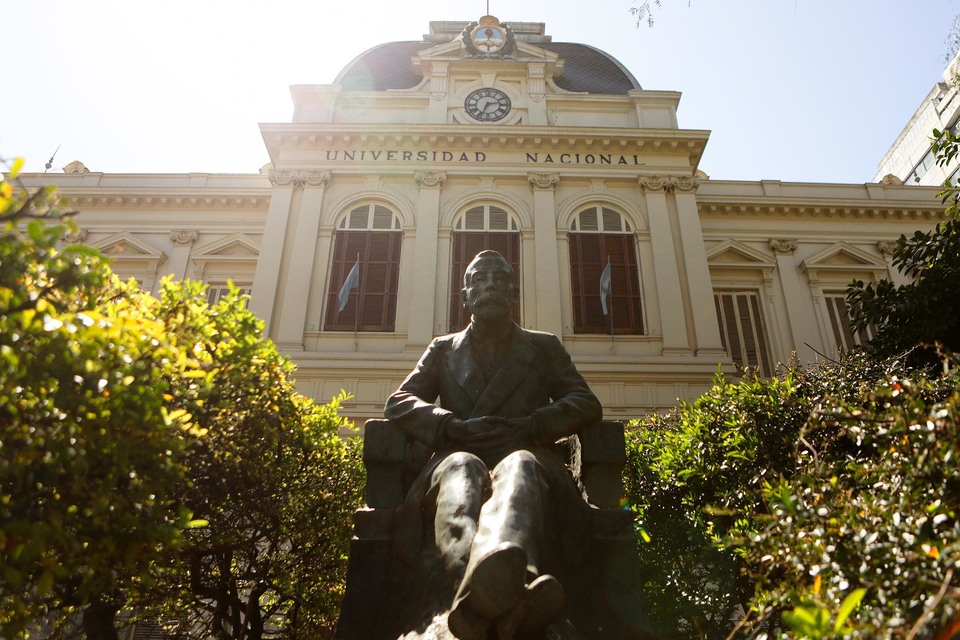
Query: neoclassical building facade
point(491, 135)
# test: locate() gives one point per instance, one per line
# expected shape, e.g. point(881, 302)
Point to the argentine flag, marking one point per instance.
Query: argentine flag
point(605, 286)
point(351, 283)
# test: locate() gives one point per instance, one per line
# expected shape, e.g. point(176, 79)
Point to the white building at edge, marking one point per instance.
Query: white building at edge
point(490, 134)
point(910, 158)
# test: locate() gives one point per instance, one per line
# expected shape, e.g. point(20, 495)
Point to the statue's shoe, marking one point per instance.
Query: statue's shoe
point(542, 603)
point(494, 588)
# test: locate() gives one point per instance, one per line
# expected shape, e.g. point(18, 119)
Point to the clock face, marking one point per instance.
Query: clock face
point(487, 105)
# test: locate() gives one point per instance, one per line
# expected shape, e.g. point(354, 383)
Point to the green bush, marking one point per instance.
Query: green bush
point(779, 500)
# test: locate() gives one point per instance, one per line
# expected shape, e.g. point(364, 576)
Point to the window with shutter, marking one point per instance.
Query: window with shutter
point(599, 234)
point(742, 329)
point(480, 228)
point(216, 291)
point(371, 235)
point(843, 334)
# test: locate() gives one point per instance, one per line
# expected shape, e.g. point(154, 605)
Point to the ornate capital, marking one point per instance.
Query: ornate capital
point(314, 178)
point(74, 237)
point(184, 236)
point(685, 183)
point(283, 178)
point(657, 184)
point(287, 178)
point(543, 180)
point(783, 245)
point(430, 178)
point(886, 247)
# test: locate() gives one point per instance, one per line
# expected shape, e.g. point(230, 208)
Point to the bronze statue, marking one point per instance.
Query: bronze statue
point(490, 402)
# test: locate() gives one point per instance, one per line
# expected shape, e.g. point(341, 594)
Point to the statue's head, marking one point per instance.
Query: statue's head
point(489, 291)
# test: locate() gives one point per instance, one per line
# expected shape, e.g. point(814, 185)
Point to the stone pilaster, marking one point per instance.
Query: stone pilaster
point(424, 280)
point(546, 257)
point(699, 284)
point(293, 306)
point(800, 316)
point(183, 240)
point(665, 266)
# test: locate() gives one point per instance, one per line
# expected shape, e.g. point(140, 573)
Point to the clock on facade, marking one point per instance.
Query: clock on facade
point(487, 105)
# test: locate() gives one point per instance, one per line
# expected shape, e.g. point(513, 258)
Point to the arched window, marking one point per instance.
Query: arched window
point(481, 227)
point(599, 235)
point(368, 237)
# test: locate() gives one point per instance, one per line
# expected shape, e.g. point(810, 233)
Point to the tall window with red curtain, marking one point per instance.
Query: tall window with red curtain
point(599, 234)
point(372, 232)
point(481, 227)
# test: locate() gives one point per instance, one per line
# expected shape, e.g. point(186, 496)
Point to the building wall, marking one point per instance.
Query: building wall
point(766, 260)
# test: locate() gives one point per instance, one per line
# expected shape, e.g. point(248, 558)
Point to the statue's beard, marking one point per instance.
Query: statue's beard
point(490, 308)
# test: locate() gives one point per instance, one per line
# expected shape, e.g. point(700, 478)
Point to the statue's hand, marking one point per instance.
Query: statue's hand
point(491, 434)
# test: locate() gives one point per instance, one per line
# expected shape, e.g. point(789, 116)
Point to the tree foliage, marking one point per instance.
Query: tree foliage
point(271, 476)
point(89, 451)
point(926, 310)
point(154, 453)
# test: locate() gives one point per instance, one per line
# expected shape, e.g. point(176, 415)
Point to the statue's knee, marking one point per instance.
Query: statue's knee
point(462, 462)
point(521, 460)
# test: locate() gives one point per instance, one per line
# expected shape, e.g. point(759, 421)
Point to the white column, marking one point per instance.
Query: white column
point(800, 315)
point(423, 284)
point(292, 312)
point(546, 258)
point(706, 326)
point(182, 239)
point(266, 279)
point(665, 267)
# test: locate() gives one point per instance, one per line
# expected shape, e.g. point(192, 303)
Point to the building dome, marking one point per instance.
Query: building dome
point(586, 69)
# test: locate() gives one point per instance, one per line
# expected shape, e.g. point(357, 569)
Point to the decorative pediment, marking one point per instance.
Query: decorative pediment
point(843, 256)
point(843, 259)
point(127, 246)
point(737, 255)
point(232, 247)
point(235, 252)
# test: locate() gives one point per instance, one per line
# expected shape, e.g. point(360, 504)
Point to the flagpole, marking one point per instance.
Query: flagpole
point(356, 309)
point(611, 304)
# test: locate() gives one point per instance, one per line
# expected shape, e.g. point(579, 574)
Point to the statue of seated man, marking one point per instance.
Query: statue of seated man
point(491, 402)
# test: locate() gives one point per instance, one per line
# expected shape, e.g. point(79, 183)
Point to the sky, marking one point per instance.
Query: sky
point(793, 90)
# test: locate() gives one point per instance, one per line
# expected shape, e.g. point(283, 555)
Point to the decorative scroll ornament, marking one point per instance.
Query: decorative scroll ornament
point(783, 245)
point(487, 38)
point(653, 183)
point(314, 178)
point(74, 237)
point(684, 184)
point(887, 247)
point(184, 236)
point(282, 178)
point(287, 178)
point(543, 180)
point(430, 178)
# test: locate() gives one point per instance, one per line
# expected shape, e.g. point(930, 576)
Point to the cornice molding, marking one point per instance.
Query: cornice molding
point(147, 200)
point(428, 179)
point(521, 138)
point(865, 209)
point(545, 181)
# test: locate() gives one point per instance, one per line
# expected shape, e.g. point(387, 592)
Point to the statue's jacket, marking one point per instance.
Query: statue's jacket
point(535, 377)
